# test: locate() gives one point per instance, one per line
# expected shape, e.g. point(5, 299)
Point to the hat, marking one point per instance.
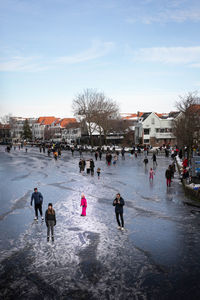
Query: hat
point(50, 204)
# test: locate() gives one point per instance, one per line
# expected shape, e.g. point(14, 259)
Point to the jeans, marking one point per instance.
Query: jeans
point(50, 226)
point(121, 216)
point(38, 206)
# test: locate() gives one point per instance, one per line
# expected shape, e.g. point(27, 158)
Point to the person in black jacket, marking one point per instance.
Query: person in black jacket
point(50, 219)
point(92, 166)
point(119, 203)
point(38, 200)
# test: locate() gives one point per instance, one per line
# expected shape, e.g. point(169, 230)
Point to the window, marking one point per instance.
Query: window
point(162, 129)
point(146, 141)
point(157, 129)
point(146, 131)
point(152, 121)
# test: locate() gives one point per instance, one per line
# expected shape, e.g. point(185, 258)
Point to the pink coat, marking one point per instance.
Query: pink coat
point(151, 173)
point(84, 206)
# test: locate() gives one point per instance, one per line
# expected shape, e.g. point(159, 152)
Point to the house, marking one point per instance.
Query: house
point(72, 132)
point(155, 129)
point(65, 129)
point(5, 133)
point(51, 128)
point(40, 128)
point(17, 124)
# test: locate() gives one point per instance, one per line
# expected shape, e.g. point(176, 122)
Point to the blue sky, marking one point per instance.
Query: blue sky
point(141, 53)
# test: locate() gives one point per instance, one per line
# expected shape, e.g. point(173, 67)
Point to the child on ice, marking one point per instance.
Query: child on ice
point(151, 174)
point(98, 172)
point(84, 205)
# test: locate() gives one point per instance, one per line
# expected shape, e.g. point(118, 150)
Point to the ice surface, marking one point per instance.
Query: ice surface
point(156, 257)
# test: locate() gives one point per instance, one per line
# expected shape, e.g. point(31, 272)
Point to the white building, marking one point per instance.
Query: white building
point(17, 124)
point(52, 128)
point(155, 129)
point(41, 127)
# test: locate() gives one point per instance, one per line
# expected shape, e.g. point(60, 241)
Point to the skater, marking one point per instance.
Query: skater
point(146, 161)
point(26, 150)
point(96, 155)
point(72, 150)
point(88, 166)
point(50, 219)
point(38, 200)
point(56, 155)
point(92, 166)
point(168, 176)
point(83, 204)
point(154, 160)
point(49, 152)
point(80, 165)
point(100, 154)
point(151, 174)
point(115, 159)
point(98, 172)
point(119, 203)
point(123, 153)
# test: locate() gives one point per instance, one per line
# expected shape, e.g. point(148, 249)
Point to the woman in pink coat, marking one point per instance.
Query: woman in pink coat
point(83, 204)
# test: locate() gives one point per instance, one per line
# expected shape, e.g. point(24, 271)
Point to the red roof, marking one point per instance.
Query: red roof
point(64, 122)
point(4, 126)
point(46, 120)
point(130, 116)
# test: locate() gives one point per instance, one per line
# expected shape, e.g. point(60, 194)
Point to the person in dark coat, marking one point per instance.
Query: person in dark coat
point(100, 154)
point(96, 155)
point(92, 166)
point(168, 176)
point(38, 200)
point(50, 219)
point(80, 165)
point(154, 160)
point(119, 203)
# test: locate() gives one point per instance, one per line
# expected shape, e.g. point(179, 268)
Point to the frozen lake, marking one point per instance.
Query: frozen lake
point(156, 257)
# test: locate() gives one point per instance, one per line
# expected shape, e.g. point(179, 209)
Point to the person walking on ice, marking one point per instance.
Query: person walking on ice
point(83, 204)
point(119, 203)
point(98, 172)
point(38, 200)
point(50, 219)
point(151, 174)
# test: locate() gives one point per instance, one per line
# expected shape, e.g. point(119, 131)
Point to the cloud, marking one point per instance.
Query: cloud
point(97, 50)
point(153, 11)
point(169, 55)
point(18, 63)
point(35, 64)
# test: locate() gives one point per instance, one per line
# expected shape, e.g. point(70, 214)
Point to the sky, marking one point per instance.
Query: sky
point(143, 54)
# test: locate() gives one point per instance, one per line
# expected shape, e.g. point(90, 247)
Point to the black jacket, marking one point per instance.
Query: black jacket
point(168, 174)
point(37, 197)
point(50, 217)
point(119, 206)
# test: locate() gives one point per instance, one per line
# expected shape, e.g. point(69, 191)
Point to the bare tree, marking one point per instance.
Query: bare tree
point(96, 109)
point(107, 110)
point(84, 107)
point(187, 124)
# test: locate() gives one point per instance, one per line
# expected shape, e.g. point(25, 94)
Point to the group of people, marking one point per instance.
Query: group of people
point(50, 215)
